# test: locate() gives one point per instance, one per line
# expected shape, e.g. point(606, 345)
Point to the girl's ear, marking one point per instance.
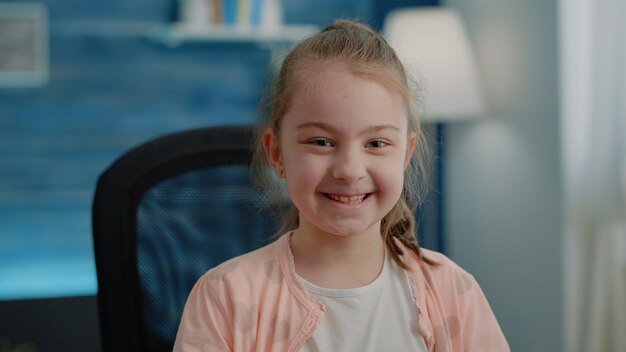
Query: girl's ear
point(271, 146)
point(410, 148)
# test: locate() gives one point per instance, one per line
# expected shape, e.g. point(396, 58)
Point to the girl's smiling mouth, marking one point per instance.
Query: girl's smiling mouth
point(347, 199)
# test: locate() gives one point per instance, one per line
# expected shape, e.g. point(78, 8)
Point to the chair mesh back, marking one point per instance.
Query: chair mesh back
point(186, 225)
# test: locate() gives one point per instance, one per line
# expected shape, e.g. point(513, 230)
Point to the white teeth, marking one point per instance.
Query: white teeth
point(347, 199)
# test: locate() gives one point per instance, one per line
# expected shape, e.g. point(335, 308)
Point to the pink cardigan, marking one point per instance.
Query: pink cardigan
point(256, 303)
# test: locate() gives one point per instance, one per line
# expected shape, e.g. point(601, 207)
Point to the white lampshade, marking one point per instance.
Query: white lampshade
point(434, 48)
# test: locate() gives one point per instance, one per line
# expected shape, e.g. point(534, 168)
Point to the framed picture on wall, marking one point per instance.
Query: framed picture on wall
point(23, 45)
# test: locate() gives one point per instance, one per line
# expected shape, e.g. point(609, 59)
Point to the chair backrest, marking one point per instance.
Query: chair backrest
point(163, 214)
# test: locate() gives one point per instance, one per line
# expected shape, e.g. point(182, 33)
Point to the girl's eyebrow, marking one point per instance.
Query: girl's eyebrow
point(329, 128)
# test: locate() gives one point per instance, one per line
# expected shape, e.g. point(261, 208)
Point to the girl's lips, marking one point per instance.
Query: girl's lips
point(347, 199)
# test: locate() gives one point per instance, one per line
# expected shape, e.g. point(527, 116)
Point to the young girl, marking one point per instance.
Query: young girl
point(344, 137)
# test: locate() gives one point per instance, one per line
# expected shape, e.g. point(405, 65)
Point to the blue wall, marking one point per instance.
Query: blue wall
point(110, 89)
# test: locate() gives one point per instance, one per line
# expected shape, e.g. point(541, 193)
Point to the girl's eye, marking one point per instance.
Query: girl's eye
point(321, 142)
point(376, 144)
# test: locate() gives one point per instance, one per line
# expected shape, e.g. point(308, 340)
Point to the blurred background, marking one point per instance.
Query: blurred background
point(530, 189)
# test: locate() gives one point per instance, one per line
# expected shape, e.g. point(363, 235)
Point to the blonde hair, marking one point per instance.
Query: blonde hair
point(365, 53)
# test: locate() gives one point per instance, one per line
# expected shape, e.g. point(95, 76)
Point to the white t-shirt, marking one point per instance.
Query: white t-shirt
point(380, 316)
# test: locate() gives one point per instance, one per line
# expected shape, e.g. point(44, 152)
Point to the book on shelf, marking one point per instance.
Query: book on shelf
point(229, 11)
point(261, 14)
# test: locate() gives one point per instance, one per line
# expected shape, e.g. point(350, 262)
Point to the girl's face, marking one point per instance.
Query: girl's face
point(343, 148)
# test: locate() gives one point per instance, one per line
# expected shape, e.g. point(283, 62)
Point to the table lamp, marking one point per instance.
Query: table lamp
point(433, 46)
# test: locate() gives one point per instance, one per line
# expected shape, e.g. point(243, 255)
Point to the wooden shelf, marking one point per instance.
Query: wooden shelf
point(179, 33)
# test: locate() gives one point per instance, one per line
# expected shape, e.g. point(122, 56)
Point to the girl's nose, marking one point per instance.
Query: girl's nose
point(349, 165)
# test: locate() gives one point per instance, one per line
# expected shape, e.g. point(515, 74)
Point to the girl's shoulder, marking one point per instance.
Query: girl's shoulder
point(447, 274)
point(443, 261)
point(455, 302)
point(249, 267)
point(263, 275)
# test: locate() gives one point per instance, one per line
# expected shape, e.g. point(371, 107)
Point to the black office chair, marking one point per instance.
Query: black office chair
point(163, 214)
